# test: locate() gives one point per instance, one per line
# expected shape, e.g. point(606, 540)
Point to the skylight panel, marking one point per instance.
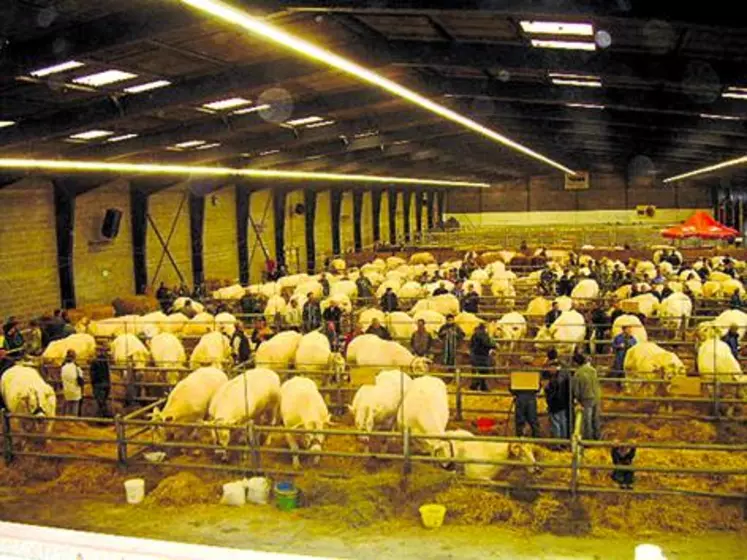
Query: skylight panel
point(57, 68)
point(121, 138)
point(225, 104)
point(189, 144)
point(104, 78)
point(91, 135)
point(247, 110)
point(148, 86)
point(320, 124)
point(304, 121)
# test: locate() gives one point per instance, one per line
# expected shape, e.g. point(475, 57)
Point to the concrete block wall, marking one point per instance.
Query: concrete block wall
point(29, 282)
point(163, 207)
point(347, 239)
point(260, 210)
point(295, 234)
point(103, 270)
point(220, 255)
point(384, 218)
point(323, 227)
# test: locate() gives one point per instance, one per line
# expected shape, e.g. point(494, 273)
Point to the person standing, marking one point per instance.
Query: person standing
point(324, 281)
point(421, 340)
point(101, 382)
point(588, 395)
point(480, 347)
point(525, 411)
point(620, 346)
point(34, 345)
point(389, 301)
point(72, 385)
point(451, 334)
point(601, 325)
point(553, 314)
point(365, 288)
point(240, 347)
point(558, 396)
point(732, 340)
point(379, 330)
point(332, 335)
point(13, 344)
point(312, 314)
point(440, 290)
point(333, 313)
point(623, 455)
point(471, 301)
point(293, 316)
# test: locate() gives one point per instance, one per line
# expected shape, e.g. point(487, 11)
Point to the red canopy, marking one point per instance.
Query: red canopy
point(700, 225)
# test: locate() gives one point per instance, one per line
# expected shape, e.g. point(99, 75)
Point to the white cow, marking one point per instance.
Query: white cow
point(400, 325)
point(189, 400)
point(253, 395)
point(365, 343)
point(433, 320)
point(411, 290)
point(586, 289)
point(107, 328)
point(675, 311)
point(468, 322)
point(226, 323)
point(84, 346)
point(648, 361)
point(180, 302)
point(303, 407)
point(374, 352)
point(151, 324)
point(425, 410)
point(168, 353)
point(509, 328)
point(568, 331)
point(717, 363)
point(538, 307)
point(128, 349)
point(25, 392)
point(314, 355)
point(213, 349)
point(345, 288)
point(229, 293)
point(445, 304)
point(638, 330)
point(366, 317)
point(174, 323)
point(279, 352)
point(200, 324)
point(477, 450)
point(275, 305)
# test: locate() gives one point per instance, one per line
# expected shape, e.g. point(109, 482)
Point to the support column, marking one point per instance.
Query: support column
point(242, 232)
point(335, 207)
point(430, 202)
point(376, 211)
point(139, 220)
point(406, 203)
point(357, 212)
point(419, 212)
point(197, 231)
point(64, 206)
point(441, 200)
point(309, 203)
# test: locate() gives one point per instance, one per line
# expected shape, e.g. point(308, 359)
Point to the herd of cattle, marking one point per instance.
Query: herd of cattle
point(391, 397)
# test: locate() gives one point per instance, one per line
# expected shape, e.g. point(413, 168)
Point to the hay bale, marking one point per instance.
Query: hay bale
point(135, 305)
point(182, 489)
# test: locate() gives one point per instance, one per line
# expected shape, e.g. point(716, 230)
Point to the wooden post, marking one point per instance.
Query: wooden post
point(121, 443)
point(7, 438)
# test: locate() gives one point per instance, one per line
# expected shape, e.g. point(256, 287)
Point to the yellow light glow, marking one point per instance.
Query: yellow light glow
point(159, 169)
point(709, 169)
point(254, 25)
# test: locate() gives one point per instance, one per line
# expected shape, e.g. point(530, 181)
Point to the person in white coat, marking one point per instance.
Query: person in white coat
point(72, 385)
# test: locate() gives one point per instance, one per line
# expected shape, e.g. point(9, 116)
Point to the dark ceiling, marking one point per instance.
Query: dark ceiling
point(661, 72)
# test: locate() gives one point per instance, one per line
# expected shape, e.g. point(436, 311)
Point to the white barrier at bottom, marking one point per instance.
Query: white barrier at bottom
point(31, 542)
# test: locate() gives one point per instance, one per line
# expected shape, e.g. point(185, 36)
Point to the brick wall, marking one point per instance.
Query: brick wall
point(29, 284)
point(260, 210)
point(347, 235)
point(323, 227)
point(220, 254)
point(103, 270)
point(163, 207)
point(295, 233)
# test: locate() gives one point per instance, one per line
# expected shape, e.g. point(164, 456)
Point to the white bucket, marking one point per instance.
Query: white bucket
point(258, 490)
point(135, 490)
point(234, 494)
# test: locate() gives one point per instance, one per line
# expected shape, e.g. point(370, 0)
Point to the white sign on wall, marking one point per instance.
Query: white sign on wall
point(577, 182)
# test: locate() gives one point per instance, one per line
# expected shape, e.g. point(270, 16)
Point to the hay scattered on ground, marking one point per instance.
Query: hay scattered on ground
point(88, 478)
point(27, 470)
point(477, 506)
point(182, 489)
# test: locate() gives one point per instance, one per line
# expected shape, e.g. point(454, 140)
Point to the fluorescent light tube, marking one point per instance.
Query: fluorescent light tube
point(147, 87)
point(104, 78)
point(557, 28)
point(570, 45)
point(57, 68)
point(91, 135)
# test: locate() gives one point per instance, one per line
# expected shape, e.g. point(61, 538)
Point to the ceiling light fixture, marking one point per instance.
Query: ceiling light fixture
point(557, 28)
point(584, 105)
point(248, 110)
point(189, 144)
point(734, 92)
point(579, 83)
point(320, 124)
point(148, 86)
point(269, 152)
point(57, 68)
point(554, 44)
point(719, 117)
point(304, 121)
point(208, 146)
point(121, 138)
point(255, 25)
point(225, 104)
point(4, 124)
point(158, 169)
point(703, 170)
point(104, 78)
point(91, 135)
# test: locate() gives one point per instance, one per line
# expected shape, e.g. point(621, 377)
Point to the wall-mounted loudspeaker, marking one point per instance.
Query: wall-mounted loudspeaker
point(110, 226)
point(299, 209)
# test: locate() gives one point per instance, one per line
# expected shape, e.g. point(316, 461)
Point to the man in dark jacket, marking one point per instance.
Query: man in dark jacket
point(389, 301)
point(379, 330)
point(101, 382)
point(553, 314)
point(333, 313)
point(588, 394)
point(240, 345)
point(480, 347)
point(558, 396)
point(325, 284)
point(451, 334)
point(365, 288)
point(421, 340)
point(732, 340)
point(312, 314)
point(600, 326)
point(565, 284)
point(441, 290)
point(332, 335)
point(471, 301)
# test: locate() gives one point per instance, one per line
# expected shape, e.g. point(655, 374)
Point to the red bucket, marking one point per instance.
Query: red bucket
point(485, 425)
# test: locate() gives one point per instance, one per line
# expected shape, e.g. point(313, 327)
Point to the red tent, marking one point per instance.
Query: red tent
point(700, 225)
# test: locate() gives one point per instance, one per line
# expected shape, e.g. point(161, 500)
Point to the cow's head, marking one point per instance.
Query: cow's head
point(523, 452)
